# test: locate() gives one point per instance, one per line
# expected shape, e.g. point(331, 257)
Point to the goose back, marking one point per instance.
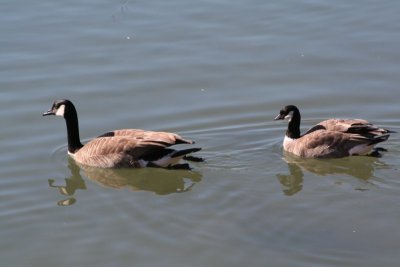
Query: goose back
point(166, 138)
point(354, 126)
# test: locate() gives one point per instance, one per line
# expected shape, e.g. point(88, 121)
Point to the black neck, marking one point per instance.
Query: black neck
point(71, 119)
point(293, 130)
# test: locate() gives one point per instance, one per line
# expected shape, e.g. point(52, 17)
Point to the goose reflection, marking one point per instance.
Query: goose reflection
point(158, 181)
point(292, 182)
point(72, 183)
point(359, 167)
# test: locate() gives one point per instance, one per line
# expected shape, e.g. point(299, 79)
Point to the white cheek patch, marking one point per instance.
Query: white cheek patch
point(289, 116)
point(60, 111)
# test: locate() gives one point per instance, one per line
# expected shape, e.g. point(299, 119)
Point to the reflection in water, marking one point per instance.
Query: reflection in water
point(292, 182)
point(159, 181)
point(73, 183)
point(358, 167)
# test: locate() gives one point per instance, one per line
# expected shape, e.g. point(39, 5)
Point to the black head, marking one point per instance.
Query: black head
point(287, 113)
point(60, 108)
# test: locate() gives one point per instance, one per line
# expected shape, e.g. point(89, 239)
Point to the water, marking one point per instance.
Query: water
point(216, 72)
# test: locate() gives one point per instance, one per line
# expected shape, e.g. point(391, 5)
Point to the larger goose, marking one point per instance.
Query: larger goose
point(121, 148)
point(333, 138)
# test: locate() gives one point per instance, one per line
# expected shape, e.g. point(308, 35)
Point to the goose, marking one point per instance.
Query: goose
point(332, 138)
point(125, 148)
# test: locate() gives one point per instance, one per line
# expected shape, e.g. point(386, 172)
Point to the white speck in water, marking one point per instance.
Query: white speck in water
point(128, 37)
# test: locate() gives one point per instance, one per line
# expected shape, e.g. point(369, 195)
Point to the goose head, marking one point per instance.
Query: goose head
point(292, 114)
point(62, 108)
point(287, 113)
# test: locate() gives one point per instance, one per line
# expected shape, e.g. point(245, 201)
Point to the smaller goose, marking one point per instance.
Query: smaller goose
point(333, 138)
point(128, 148)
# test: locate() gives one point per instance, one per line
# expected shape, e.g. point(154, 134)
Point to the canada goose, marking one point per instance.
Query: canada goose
point(122, 148)
point(333, 138)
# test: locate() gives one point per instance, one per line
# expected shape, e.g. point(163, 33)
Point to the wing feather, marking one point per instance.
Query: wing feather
point(354, 126)
point(166, 138)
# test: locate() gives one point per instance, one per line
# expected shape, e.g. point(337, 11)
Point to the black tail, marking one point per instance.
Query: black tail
point(180, 153)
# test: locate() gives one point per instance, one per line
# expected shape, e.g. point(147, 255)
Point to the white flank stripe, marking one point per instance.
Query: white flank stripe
point(362, 149)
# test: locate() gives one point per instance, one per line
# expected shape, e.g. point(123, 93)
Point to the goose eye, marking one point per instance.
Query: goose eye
point(57, 105)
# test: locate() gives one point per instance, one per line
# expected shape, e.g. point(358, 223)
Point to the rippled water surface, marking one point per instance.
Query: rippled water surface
point(216, 72)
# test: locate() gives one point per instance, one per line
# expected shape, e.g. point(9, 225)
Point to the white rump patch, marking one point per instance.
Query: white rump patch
point(162, 162)
point(167, 160)
point(362, 149)
point(60, 111)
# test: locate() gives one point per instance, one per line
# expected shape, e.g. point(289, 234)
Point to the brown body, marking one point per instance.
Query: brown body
point(128, 148)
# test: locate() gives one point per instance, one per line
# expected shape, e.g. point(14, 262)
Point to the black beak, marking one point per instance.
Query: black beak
point(279, 117)
point(49, 112)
